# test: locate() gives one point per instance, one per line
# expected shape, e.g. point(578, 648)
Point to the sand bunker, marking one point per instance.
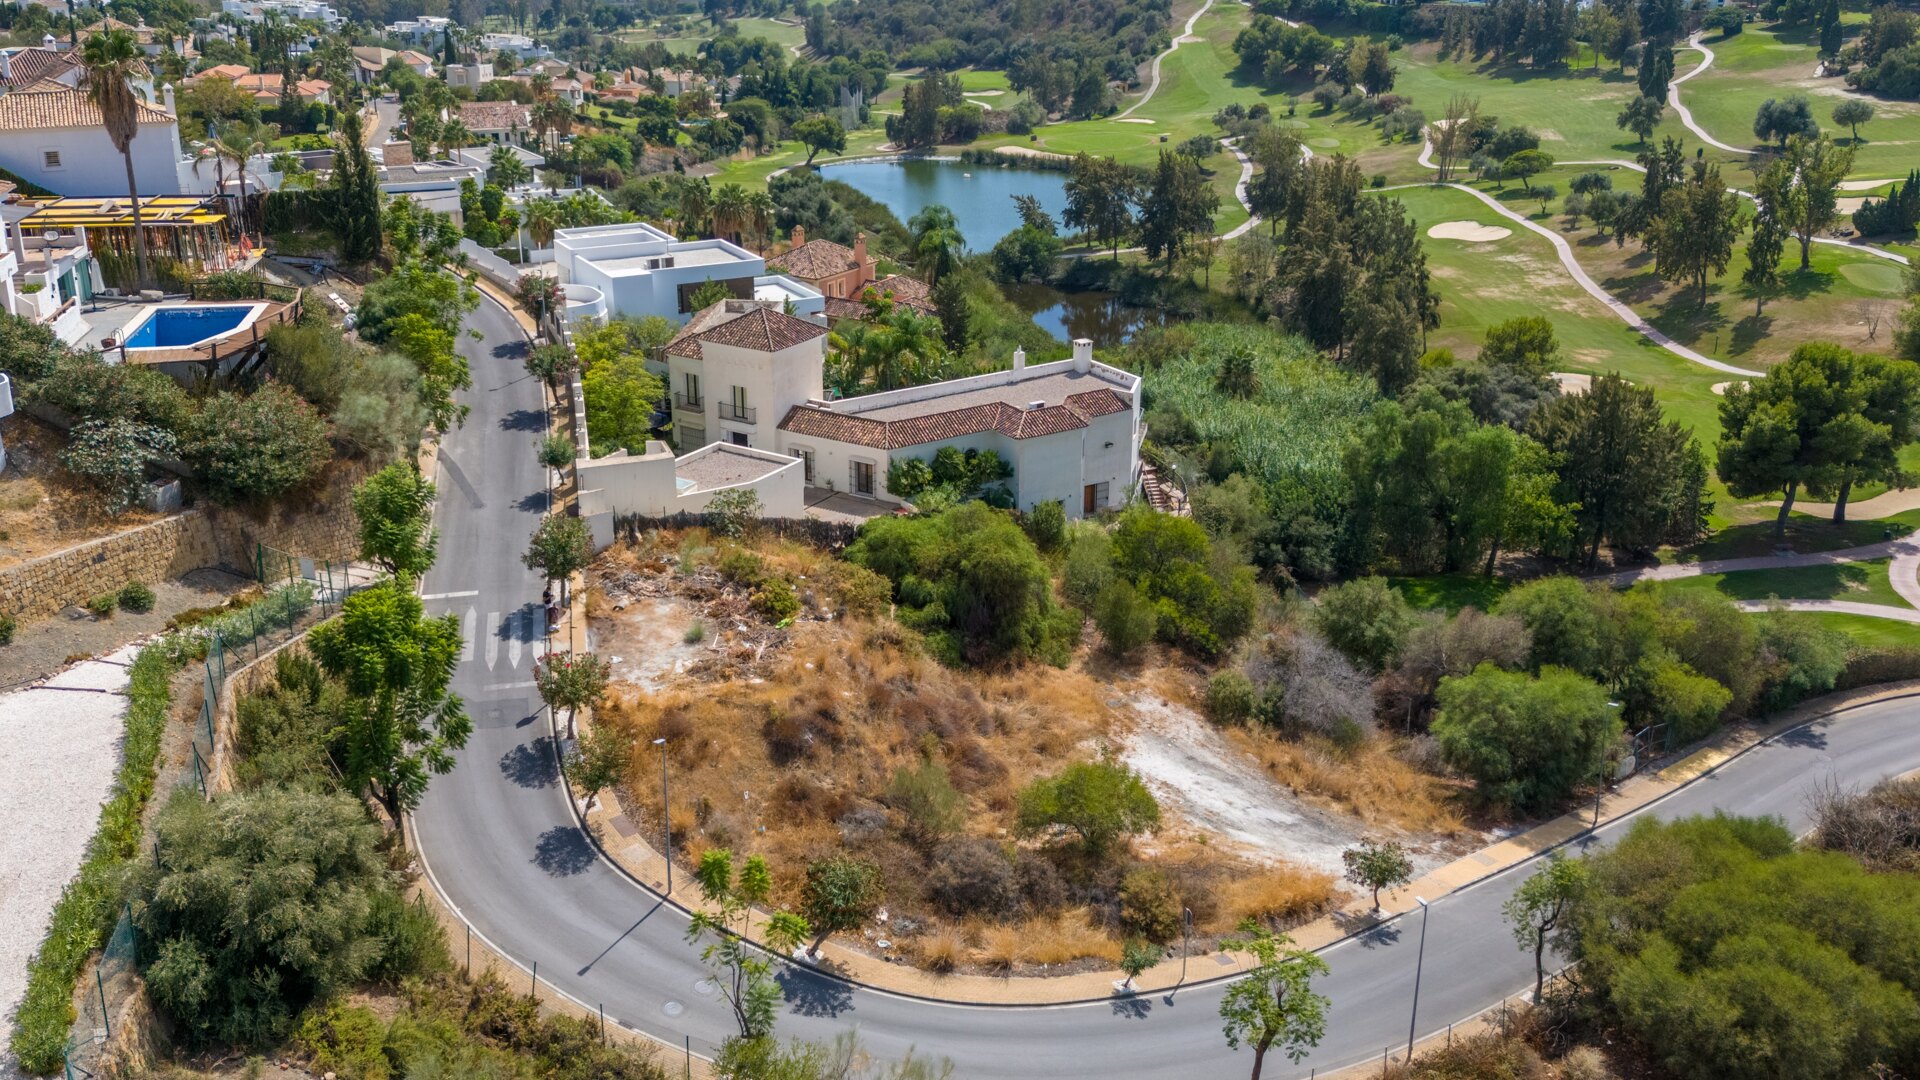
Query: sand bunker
point(1720, 388)
point(1572, 382)
point(1471, 231)
point(1133, 120)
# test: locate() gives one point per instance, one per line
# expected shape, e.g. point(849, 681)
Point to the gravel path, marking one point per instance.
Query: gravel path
point(59, 749)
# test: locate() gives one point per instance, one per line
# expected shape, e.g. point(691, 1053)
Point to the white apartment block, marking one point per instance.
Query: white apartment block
point(519, 45)
point(420, 29)
point(304, 10)
point(636, 269)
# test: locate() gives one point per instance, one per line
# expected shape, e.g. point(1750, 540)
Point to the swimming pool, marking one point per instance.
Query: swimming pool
point(185, 326)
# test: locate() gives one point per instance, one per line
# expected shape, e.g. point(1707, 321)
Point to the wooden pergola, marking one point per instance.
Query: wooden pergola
point(190, 230)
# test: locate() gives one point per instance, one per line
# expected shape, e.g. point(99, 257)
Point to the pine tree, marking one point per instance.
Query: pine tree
point(356, 191)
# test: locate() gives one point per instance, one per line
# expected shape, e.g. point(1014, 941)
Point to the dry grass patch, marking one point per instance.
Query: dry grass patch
point(1372, 783)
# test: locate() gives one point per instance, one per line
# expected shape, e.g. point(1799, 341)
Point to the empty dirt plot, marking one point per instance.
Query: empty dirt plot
point(1471, 231)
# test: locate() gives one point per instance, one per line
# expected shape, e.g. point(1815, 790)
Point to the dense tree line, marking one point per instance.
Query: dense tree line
point(999, 34)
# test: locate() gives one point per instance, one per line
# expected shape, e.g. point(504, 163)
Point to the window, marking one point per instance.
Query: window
point(806, 459)
point(862, 478)
point(739, 399)
point(693, 389)
point(739, 438)
point(51, 158)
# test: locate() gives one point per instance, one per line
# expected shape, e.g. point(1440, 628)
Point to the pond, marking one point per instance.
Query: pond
point(1099, 316)
point(980, 196)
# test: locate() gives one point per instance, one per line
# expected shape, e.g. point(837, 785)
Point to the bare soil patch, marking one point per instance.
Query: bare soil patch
point(43, 509)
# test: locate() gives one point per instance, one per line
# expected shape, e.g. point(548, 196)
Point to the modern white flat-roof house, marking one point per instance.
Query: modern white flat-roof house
point(519, 45)
point(417, 29)
point(256, 10)
point(746, 379)
point(640, 270)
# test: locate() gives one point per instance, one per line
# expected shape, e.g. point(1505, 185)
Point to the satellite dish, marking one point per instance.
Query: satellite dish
point(50, 234)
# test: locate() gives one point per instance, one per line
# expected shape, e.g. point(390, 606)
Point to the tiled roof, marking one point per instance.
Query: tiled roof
point(51, 105)
point(814, 260)
point(912, 292)
point(29, 66)
point(495, 115)
point(223, 71)
point(1008, 420)
point(758, 328)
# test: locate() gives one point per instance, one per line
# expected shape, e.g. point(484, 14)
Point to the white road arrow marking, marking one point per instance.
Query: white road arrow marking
point(493, 638)
point(513, 642)
point(467, 627)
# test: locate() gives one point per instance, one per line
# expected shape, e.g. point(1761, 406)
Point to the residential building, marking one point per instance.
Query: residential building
point(370, 60)
point(424, 28)
point(51, 135)
point(497, 121)
point(44, 279)
point(834, 269)
point(747, 381)
point(152, 42)
point(47, 62)
point(302, 10)
point(641, 270)
point(568, 90)
point(470, 76)
point(1071, 431)
point(266, 87)
point(519, 45)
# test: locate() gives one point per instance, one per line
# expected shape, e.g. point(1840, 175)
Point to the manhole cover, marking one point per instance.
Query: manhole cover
point(704, 988)
point(673, 1008)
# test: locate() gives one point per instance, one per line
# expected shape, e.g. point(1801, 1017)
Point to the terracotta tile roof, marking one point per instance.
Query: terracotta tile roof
point(495, 115)
point(911, 292)
point(411, 57)
point(51, 105)
point(29, 66)
point(222, 71)
point(1008, 420)
point(839, 307)
point(814, 260)
point(759, 328)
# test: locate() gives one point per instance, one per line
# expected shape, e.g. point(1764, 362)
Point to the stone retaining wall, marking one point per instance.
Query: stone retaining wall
point(158, 551)
point(318, 526)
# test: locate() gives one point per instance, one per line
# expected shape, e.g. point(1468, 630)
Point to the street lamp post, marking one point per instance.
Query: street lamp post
point(666, 817)
point(1418, 962)
point(1186, 941)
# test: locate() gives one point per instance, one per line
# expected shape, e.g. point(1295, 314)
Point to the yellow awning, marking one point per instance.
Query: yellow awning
point(161, 210)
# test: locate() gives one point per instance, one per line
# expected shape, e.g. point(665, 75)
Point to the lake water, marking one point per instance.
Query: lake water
point(1100, 317)
point(980, 196)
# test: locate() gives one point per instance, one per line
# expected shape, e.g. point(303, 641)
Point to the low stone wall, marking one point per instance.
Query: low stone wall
point(158, 551)
point(320, 526)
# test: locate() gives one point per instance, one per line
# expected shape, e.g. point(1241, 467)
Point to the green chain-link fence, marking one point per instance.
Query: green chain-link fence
point(296, 587)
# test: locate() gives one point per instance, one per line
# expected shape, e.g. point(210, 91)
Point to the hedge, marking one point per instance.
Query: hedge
point(91, 902)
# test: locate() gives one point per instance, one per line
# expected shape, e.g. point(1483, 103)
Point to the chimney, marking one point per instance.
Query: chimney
point(799, 235)
point(397, 152)
point(860, 249)
point(1019, 359)
point(1082, 355)
point(166, 97)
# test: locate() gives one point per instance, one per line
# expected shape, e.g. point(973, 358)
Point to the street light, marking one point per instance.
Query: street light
point(1186, 945)
point(666, 818)
point(1600, 787)
point(1418, 962)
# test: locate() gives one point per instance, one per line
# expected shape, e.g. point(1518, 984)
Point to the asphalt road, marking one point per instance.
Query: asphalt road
point(500, 841)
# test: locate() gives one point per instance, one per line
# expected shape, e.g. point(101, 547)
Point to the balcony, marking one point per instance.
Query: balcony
point(730, 411)
point(692, 404)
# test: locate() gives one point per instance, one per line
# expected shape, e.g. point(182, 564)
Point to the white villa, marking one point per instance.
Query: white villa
point(519, 45)
point(636, 269)
point(51, 135)
point(308, 10)
point(749, 407)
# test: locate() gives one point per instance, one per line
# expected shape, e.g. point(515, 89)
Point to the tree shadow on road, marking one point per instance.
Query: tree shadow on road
point(524, 420)
point(531, 764)
point(811, 994)
point(563, 851)
point(1133, 1007)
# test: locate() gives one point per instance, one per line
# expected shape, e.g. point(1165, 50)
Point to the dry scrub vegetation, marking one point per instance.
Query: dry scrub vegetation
point(819, 731)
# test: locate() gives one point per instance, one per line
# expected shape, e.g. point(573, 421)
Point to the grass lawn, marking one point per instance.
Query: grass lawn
point(780, 33)
point(1861, 582)
point(1869, 632)
point(1451, 592)
point(1762, 62)
point(1847, 297)
point(1487, 283)
point(1805, 534)
point(1572, 110)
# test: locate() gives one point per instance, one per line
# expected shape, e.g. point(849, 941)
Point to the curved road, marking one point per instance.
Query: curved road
point(499, 839)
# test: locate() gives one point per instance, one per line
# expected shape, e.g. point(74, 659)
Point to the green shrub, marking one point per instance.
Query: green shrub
point(741, 566)
point(1230, 698)
point(1366, 619)
point(102, 606)
point(696, 633)
point(348, 1040)
point(1125, 618)
point(1047, 524)
point(90, 903)
point(7, 627)
point(256, 446)
point(137, 597)
point(775, 599)
point(1149, 907)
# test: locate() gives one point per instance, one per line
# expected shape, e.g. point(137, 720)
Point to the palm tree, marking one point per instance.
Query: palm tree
point(110, 60)
point(455, 134)
point(908, 350)
point(760, 211)
point(696, 204)
point(937, 244)
point(729, 210)
point(238, 144)
point(542, 219)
